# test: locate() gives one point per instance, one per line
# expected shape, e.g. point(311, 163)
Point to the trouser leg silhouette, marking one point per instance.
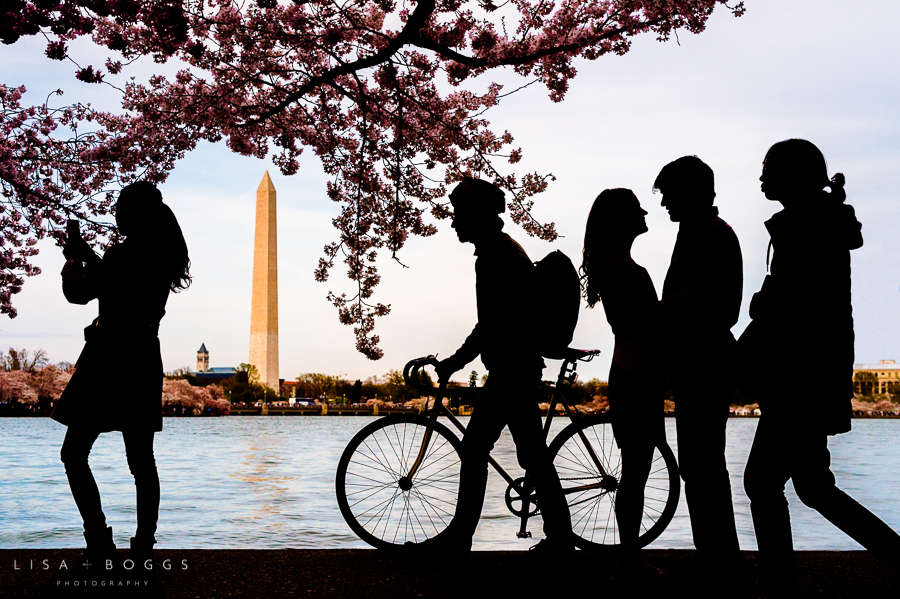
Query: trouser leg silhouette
point(785, 449)
point(700, 420)
point(74, 455)
point(141, 462)
point(139, 451)
point(506, 401)
point(637, 459)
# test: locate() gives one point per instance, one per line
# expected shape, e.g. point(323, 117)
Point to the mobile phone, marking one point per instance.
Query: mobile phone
point(72, 229)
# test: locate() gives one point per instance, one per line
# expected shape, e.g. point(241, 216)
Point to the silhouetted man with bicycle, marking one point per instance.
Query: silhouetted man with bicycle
point(506, 340)
point(701, 301)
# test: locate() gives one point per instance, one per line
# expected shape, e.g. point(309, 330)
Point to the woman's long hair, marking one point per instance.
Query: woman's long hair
point(605, 213)
point(152, 221)
point(804, 164)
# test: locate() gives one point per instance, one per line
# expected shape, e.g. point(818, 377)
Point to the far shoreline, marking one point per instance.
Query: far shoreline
point(363, 413)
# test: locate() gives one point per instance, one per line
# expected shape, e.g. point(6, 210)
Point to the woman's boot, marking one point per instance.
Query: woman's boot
point(141, 553)
point(99, 560)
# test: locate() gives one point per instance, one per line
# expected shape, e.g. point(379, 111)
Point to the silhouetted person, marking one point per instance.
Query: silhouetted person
point(506, 340)
point(701, 301)
point(636, 379)
point(804, 305)
point(132, 283)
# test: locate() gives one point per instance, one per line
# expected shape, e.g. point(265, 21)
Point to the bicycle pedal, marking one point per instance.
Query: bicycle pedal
point(523, 535)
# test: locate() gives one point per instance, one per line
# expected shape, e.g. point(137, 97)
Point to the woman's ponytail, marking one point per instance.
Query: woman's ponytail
point(836, 185)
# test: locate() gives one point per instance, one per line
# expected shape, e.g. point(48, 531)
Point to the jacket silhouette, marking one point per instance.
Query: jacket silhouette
point(117, 384)
point(702, 289)
point(504, 288)
point(805, 303)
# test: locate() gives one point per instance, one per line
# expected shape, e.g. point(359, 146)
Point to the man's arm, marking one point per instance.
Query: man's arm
point(469, 350)
point(714, 294)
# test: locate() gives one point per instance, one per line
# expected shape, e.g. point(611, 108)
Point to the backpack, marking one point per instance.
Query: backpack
point(557, 301)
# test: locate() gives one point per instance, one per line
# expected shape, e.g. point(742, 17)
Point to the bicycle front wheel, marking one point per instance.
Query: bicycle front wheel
point(590, 488)
point(377, 501)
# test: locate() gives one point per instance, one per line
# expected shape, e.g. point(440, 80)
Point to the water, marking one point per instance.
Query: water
point(268, 483)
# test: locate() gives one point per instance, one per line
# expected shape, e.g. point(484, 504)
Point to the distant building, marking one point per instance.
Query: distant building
point(207, 375)
point(202, 358)
point(883, 377)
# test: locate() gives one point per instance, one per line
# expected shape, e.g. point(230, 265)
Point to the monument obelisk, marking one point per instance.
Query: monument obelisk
point(264, 309)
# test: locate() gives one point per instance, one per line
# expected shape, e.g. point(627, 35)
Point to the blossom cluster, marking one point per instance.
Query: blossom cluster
point(384, 93)
point(57, 163)
point(194, 400)
point(22, 386)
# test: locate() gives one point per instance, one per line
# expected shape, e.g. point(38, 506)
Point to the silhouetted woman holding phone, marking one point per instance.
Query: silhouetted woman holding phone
point(636, 386)
point(117, 384)
point(803, 306)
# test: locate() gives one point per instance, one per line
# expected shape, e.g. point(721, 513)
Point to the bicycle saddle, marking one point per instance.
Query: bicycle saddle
point(571, 354)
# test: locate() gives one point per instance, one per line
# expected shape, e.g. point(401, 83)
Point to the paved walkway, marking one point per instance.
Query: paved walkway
point(366, 574)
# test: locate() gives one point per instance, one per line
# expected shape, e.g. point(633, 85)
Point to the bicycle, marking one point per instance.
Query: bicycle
point(397, 479)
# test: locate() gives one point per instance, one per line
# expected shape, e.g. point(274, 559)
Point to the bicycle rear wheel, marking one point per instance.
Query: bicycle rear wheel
point(368, 482)
point(593, 509)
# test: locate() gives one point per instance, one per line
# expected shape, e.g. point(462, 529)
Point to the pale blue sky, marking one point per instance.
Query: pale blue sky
point(819, 70)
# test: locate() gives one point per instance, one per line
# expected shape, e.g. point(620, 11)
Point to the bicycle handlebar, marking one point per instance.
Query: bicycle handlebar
point(412, 368)
point(411, 373)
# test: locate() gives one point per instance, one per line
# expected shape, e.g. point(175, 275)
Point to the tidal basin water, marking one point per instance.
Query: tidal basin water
point(268, 483)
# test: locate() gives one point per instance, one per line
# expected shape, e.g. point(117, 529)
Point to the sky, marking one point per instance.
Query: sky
point(813, 69)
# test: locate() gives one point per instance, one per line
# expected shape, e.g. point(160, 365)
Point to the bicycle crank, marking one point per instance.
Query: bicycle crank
point(517, 503)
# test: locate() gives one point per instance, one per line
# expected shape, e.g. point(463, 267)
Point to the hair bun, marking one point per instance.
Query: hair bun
point(837, 187)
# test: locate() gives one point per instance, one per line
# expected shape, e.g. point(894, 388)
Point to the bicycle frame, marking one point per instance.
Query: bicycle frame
point(567, 376)
point(440, 409)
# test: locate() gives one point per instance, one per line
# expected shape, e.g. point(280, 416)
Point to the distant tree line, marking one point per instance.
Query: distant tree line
point(28, 381)
point(390, 388)
point(243, 387)
point(182, 398)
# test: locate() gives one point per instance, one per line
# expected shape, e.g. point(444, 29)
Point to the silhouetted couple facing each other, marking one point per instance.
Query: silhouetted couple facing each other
point(804, 302)
point(131, 283)
point(668, 338)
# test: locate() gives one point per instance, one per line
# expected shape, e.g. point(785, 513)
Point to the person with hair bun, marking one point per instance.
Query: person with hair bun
point(131, 283)
point(804, 305)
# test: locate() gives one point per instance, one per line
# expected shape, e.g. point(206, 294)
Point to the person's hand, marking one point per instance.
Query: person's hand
point(445, 369)
point(72, 249)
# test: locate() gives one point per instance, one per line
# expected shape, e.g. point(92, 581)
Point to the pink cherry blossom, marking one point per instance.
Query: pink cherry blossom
point(358, 83)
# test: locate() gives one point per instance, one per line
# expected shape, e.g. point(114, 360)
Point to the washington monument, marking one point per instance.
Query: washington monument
point(264, 309)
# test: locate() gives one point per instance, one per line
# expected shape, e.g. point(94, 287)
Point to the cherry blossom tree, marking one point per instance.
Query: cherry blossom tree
point(388, 96)
point(30, 386)
point(15, 386)
point(50, 382)
point(194, 400)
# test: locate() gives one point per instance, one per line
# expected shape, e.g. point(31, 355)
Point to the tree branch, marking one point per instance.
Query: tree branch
point(424, 9)
point(473, 61)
